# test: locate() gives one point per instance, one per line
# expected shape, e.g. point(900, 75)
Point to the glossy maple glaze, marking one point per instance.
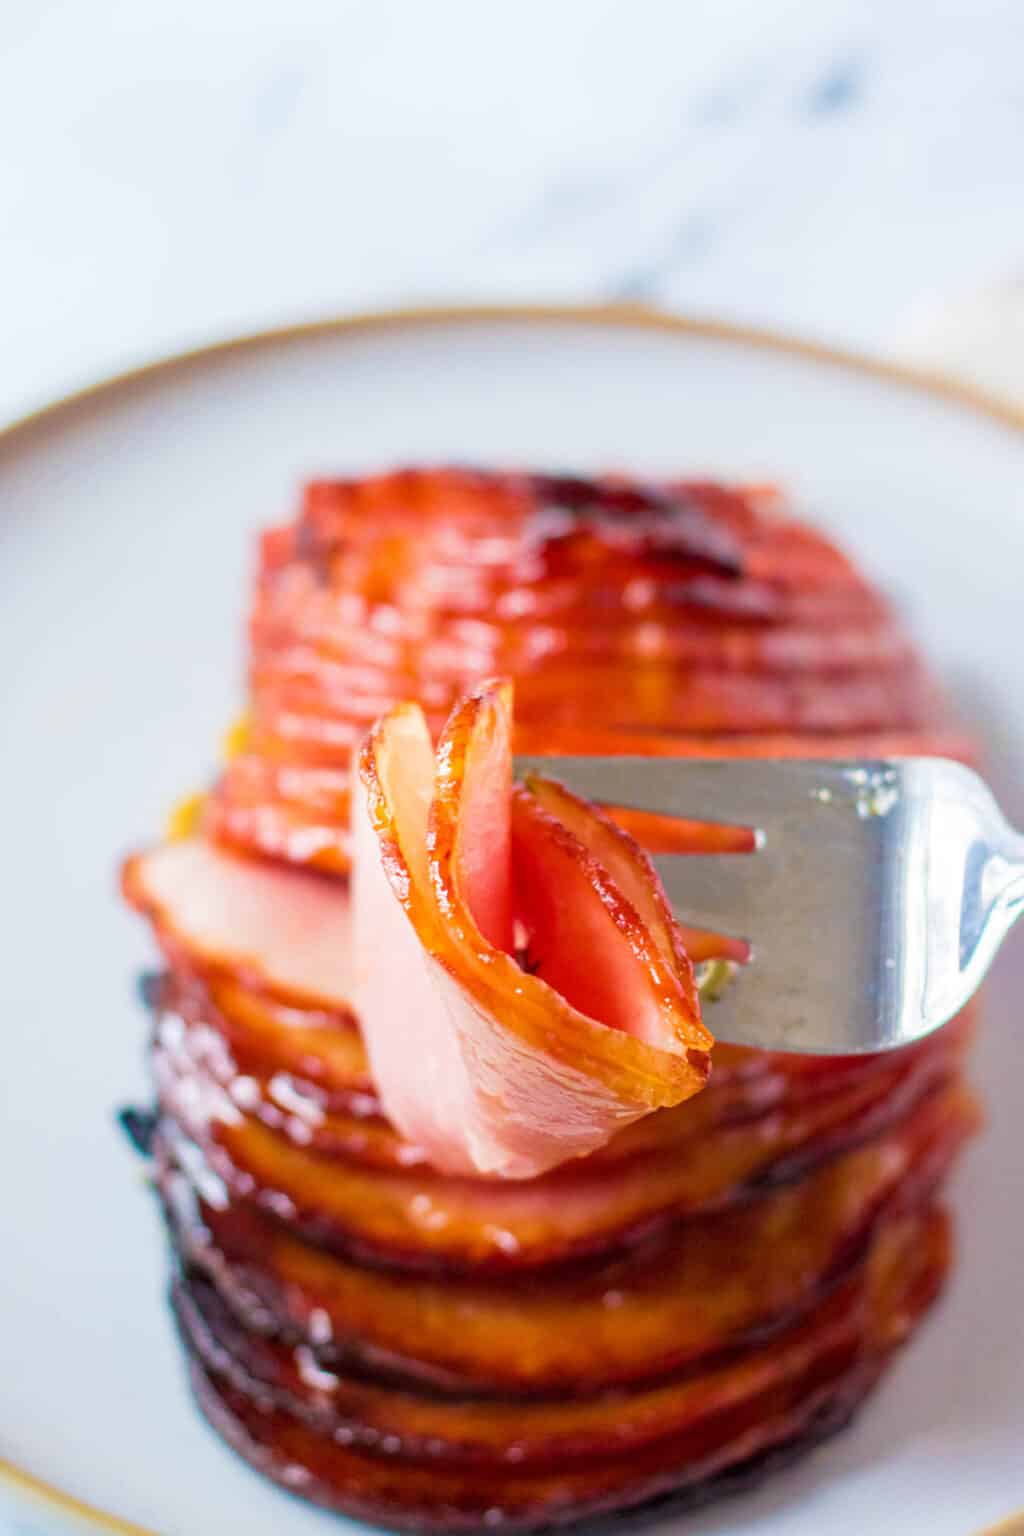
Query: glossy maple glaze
point(725, 1280)
point(686, 612)
point(727, 1419)
point(639, 1312)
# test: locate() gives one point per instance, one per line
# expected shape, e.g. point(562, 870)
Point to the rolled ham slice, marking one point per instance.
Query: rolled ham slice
point(497, 1061)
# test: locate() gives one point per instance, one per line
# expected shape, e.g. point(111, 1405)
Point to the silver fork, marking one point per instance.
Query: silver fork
point(877, 897)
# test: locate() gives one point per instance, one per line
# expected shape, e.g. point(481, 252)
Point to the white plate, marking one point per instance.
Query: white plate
point(126, 524)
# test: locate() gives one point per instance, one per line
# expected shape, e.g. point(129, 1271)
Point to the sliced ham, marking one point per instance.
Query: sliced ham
point(490, 1065)
point(288, 928)
point(725, 1277)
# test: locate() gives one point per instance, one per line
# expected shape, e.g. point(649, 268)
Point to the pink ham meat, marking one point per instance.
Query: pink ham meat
point(286, 929)
point(492, 1062)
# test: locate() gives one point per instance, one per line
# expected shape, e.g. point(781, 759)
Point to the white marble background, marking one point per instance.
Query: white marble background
point(172, 171)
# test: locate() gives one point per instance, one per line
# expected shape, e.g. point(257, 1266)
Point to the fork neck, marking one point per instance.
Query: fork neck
point(1003, 881)
point(993, 900)
point(1011, 896)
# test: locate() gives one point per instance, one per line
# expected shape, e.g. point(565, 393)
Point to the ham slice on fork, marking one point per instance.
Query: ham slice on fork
point(521, 985)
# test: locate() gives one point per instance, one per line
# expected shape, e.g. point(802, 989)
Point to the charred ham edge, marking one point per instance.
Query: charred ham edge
point(499, 1070)
point(661, 520)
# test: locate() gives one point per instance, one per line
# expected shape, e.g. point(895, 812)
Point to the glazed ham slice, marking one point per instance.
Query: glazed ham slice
point(496, 1060)
point(287, 929)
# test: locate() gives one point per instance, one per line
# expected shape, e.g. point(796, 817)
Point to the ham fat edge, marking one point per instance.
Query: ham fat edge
point(521, 986)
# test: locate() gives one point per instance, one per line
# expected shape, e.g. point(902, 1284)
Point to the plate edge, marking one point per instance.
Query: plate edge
point(36, 1489)
point(934, 383)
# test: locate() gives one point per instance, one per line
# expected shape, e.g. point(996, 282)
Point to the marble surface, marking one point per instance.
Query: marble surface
point(175, 172)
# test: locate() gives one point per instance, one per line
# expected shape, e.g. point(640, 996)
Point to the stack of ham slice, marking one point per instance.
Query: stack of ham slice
point(685, 618)
point(488, 1258)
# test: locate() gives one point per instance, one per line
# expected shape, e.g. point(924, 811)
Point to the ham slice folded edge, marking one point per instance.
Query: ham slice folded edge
point(497, 1061)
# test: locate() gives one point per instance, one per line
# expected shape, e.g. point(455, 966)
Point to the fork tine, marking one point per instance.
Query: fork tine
point(712, 891)
point(741, 792)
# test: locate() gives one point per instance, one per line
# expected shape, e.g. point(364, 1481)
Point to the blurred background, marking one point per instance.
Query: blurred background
point(174, 172)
